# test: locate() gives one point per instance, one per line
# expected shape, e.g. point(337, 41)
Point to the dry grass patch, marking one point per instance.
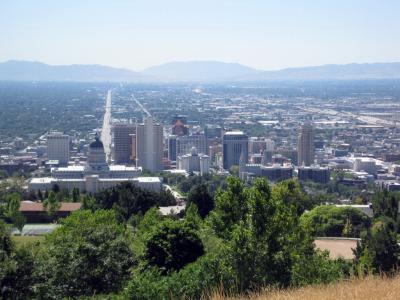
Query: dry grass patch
point(370, 288)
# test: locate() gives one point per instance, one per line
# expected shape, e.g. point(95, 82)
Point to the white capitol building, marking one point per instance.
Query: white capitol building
point(96, 175)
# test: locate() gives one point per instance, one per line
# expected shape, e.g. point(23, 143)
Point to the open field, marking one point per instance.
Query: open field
point(370, 288)
point(337, 247)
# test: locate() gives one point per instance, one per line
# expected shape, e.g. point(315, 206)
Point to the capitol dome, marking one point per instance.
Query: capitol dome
point(97, 143)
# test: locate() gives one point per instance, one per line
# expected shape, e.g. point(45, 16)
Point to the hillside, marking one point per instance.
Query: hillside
point(370, 288)
point(14, 70)
point(200, 71)
point(325, 72)
point(192, 71)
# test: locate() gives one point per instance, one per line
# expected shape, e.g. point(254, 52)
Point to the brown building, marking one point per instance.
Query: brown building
point(34, 212)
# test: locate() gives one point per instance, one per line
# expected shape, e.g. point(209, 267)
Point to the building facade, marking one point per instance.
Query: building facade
point(306, 149)
point(234, 145)
point(58, 145)
point(122, 142)
point(194, 162)
point(96, 175)
point(149, 145)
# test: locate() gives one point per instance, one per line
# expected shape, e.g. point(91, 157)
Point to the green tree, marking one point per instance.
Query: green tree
point(89, 254)
point(379, 250)
point(75, 194)
point(172, 245)
point(51, 204)
point(330, 220)
point(231, 206)
point(13, 213)
point(16, 268)
point(89, 202)
point(200, 196)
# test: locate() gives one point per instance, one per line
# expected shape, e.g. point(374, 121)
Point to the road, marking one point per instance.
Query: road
point(106, 129)
point(141, 106)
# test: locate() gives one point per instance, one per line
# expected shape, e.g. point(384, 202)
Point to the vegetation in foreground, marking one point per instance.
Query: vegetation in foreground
point(248, 237)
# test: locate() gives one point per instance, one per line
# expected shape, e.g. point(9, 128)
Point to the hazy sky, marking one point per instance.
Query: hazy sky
point(265, 34)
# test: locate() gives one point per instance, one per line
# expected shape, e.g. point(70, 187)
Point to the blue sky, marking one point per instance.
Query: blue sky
point(262, 34)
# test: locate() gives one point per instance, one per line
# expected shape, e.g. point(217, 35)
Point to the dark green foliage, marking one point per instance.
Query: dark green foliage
point(200, 196)
point(192, 282)
point(213, 182)
point(52, 204)
point(88, 254)
point(172, 245)
point(260, 226)
point(230, 207)
point(329, 220)
point(319, 269)
point(127, 199)
point(75, 194)
point(378, 251)
point(12, 213)
point(386, 203)
point(16, 268)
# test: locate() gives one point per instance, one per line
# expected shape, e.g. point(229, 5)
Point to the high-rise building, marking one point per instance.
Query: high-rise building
point(133, 147)
point(306, 150)
point(172, 147)
point(315, 173)
point(234, 145)
point(149, 145)
point(194, 162)
point(184, 144)
point(122, 140)
point(58, 147)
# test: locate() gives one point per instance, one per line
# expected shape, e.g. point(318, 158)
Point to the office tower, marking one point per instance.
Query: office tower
point(194, 162)
point(316, 174)
point(306, 145)
point(58, 147)
point(184, 144)
point(213, 131)
point(122, 141)
point(256, 146)
point(180, 129)
point(149, 145)
point(172, 147)
point(234, 144)
point(133, 147)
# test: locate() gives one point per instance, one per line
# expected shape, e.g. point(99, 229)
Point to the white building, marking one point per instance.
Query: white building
point(58, 147)
point(149, 145)
point(194, 162)
point(366, 164)
point(96, 175)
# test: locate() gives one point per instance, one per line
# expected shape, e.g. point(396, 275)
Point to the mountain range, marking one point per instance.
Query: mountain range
point(192, 71)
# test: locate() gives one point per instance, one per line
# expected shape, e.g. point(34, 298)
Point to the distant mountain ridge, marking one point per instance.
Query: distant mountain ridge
point(192, 71)
point(14, 70)
point(200, 71)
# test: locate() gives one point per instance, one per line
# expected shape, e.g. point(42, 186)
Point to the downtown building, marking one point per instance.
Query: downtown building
point(314, 173)
point(58, 145)
point(149, 145)
point(194, 162)
point(94, 176)
point(123, 143)
point(184, 144)
point(234, 146)
point(306, 149)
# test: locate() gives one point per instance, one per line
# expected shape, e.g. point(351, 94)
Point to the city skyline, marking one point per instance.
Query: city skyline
point(137, 35)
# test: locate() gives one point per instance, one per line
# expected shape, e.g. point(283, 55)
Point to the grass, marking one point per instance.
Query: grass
point(26, 239)
point(369, 288)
